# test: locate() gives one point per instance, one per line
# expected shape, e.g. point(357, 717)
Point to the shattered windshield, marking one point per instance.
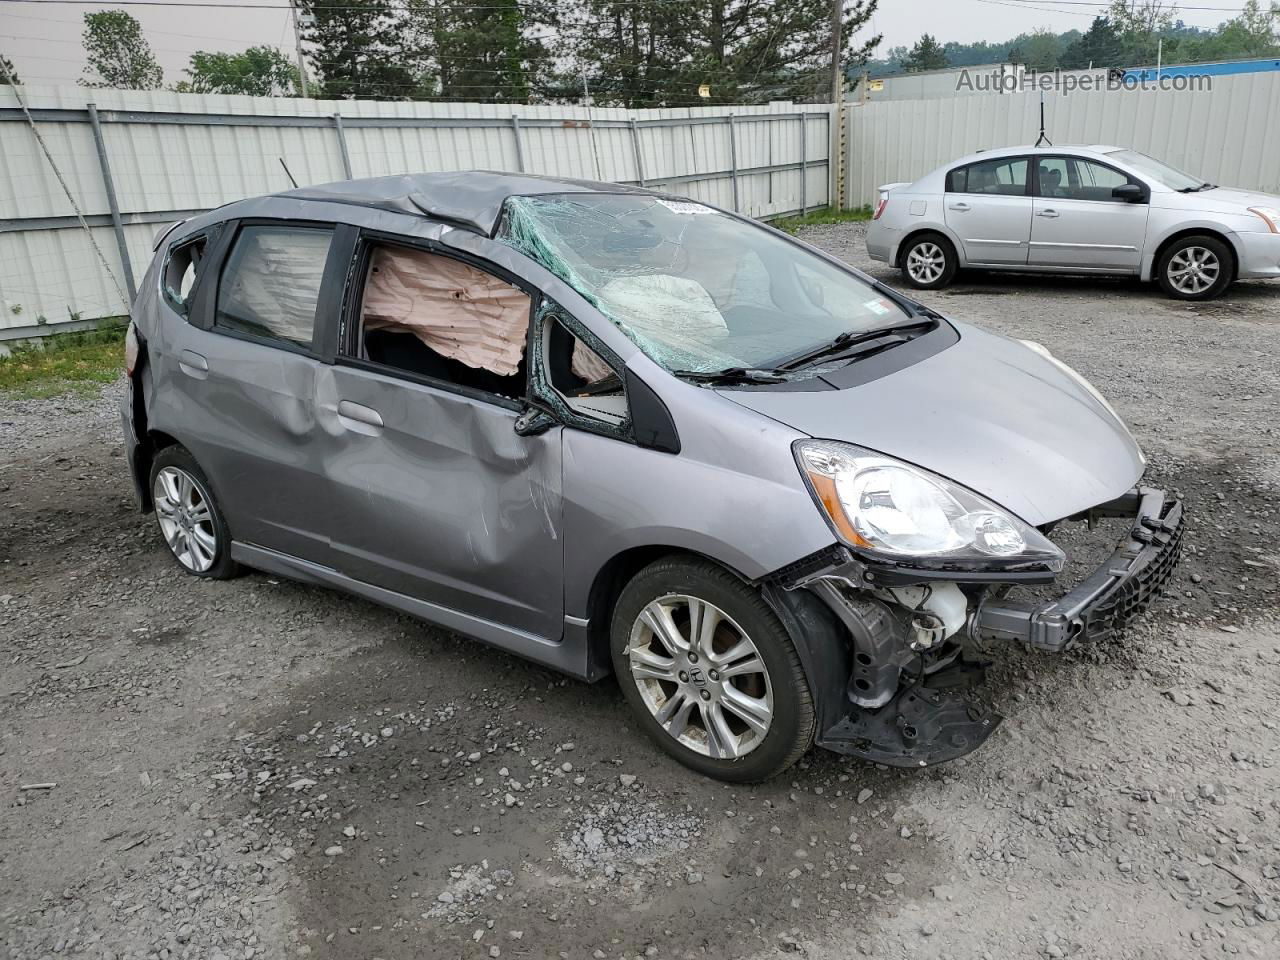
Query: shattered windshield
point(696, 289)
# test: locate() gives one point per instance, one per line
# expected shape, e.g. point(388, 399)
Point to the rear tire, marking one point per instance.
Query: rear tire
point(1195, 268)
point(188, 516)
point(928, 261)
point(710, 672)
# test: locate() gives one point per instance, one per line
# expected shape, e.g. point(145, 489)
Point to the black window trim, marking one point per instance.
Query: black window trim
point(1129, 177)
point(1011, 158)
point(334, 273)
point(548, 396)
point(347, 344)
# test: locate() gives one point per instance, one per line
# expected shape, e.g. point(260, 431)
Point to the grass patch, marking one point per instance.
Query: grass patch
point(816, 218)
point(79, 362)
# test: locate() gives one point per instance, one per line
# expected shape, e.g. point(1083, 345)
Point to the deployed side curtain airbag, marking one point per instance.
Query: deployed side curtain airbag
point(456, 310)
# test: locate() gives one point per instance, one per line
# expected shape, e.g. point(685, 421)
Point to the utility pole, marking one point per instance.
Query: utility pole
point(591, 125)
point(297, 43)
point(837, 71)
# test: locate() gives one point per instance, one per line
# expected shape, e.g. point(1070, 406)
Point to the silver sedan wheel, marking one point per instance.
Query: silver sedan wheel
point(1194, 270)
point(925, 262)
point(701, 676)
point(186, 519)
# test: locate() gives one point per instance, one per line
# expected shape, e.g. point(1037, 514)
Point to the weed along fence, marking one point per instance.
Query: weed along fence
point(132, 162)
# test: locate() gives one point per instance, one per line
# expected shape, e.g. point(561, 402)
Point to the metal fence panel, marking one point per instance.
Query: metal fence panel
point(1226, 133)
point(172, 155)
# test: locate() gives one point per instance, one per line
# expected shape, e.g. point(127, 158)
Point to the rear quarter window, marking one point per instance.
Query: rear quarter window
point(181, 270)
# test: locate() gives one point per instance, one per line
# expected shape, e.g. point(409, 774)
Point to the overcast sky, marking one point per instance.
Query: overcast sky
point(43, 38)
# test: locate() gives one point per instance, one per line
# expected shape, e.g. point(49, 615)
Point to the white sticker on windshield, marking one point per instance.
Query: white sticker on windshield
point(878, 307)
point(685, 206)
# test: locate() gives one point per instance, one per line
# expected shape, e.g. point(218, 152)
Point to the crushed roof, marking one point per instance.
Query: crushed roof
point(468, 198)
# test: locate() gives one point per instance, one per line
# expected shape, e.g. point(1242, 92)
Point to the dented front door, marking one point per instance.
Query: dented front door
point(433, 495)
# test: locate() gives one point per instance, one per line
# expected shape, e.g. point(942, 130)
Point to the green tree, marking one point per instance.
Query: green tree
point(1140, 26)
point(486, 52)
point(8, 72)
point(358, 50)
point(257, 72)
point(1253, 33)
point(653, 53)
point(118, 54)
point(1041, 50)
point(1099, 46)
point(927, 54)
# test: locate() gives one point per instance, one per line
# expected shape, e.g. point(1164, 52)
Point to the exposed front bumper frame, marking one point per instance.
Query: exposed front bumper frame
point(1112, 595)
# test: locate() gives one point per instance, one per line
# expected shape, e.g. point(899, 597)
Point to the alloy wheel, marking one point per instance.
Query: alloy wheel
point(186, 519)
point(1193, 270)
point(925, 262)
point(701, 676)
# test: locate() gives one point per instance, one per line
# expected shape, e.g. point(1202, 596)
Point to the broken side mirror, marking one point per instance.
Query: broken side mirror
point(1129, 193)
point(534, 421)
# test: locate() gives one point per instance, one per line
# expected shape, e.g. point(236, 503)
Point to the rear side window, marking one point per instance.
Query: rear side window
point(271, 284)
point(1003, 176)
point(180, 272)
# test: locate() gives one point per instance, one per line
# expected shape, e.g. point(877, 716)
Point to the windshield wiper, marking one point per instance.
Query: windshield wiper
point(851, 338)
point(1204, 186)
point(729, 376)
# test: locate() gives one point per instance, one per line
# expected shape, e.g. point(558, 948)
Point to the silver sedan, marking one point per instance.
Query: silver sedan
point(1097, 210)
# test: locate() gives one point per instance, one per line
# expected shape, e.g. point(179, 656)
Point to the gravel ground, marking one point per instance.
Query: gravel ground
point(261, 769)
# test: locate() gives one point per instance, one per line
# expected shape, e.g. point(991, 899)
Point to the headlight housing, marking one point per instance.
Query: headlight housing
point(902, 513)
point(1270, 216)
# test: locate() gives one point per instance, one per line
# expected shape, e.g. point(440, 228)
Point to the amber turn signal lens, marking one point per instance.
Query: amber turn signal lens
point(825, 488)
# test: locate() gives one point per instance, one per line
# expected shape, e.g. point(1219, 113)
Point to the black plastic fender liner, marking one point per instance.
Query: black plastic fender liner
point(822, 645)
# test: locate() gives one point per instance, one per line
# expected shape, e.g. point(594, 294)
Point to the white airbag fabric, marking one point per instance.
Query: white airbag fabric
point(456, 310)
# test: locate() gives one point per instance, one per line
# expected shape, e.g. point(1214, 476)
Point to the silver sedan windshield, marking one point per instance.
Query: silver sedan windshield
point(1149, 166)
point(696, 289)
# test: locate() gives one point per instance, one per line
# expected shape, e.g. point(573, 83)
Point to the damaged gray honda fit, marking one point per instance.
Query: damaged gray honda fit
point(618, 431)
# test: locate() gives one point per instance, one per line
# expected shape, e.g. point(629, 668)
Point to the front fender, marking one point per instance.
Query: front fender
point(1156, 240)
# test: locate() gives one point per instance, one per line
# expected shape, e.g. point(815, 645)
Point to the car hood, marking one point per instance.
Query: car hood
point(988, 413)
point(1221, 200)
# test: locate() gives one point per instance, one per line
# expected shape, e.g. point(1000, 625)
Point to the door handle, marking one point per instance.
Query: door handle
point(1047, 213)
point(358, 417)
point(961, 206)
point(193, 365)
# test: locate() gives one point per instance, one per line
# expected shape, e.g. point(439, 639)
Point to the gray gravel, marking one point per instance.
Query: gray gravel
point(261, 769)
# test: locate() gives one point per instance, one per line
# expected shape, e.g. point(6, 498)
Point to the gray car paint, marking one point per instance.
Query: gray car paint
point(447, 514)
point(987, 413)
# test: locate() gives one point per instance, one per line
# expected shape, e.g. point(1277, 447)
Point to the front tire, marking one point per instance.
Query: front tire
point(710, 672)
point(188, 516)
point(928, 261)
point(1195, 268)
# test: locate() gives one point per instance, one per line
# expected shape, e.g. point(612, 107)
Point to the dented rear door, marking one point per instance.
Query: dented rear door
point(433, 495)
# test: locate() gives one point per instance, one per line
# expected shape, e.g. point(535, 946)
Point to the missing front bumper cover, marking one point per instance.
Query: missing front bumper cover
point(890, 714)
point(1119, 590)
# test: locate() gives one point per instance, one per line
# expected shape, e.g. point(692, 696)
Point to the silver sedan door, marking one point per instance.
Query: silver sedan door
point(1079, 223)
point(988, 206)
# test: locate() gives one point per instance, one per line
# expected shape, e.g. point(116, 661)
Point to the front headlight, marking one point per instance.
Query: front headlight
point(1269, 215)
point(904, 513)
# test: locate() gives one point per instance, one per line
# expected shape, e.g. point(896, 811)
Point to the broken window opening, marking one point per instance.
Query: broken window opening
point(438, 317)
point(180, 272)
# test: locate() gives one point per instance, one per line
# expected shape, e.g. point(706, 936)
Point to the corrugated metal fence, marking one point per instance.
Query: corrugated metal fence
point(134, 161)
point(1228, 134)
